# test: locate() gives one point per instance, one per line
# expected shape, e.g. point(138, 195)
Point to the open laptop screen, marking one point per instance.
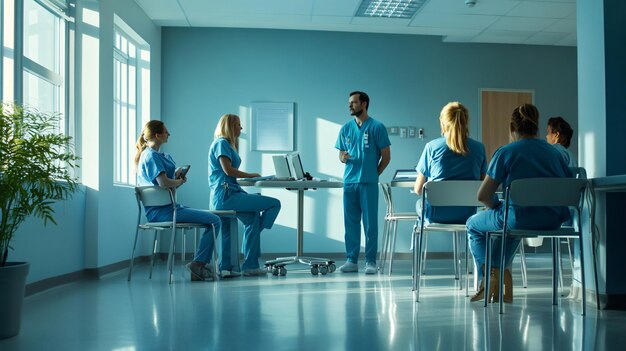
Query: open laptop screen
point(281, 167)
point(296, 163)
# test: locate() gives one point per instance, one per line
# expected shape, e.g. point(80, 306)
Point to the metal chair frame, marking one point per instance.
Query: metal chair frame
point(565, 192)
point(158, 196)
point(442, 194)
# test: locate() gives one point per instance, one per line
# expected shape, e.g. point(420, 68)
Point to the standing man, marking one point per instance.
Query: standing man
point(364, 147)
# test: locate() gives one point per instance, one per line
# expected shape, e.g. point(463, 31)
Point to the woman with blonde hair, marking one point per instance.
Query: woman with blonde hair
point(256, 212)
point(453, 156)
point(157, 168)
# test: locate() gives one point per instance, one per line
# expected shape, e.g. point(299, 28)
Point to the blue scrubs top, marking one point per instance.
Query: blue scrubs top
point(363, 144)
point(151, 164)
point(530, 158)
point(567, 156)
point(220, 183)
point(438, 162)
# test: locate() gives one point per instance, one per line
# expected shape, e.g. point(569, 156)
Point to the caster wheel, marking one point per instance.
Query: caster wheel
point(314, 270)
point(332, 268)
point(275, 271)
point(323, 270)
point(282, 271)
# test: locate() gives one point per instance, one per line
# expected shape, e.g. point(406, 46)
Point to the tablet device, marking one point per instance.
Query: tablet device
point(183, 171)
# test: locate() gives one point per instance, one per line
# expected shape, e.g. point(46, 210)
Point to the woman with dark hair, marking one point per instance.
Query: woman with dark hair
point(525, 157)
point(560, 136)
point(157, 168)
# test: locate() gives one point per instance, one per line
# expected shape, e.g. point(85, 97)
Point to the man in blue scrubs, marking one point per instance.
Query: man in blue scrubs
point(363, 146)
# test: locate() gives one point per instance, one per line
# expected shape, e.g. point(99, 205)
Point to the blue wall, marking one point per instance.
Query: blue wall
point(209, 72)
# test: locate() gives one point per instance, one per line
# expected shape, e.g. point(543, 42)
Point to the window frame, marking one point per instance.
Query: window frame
point(125, 136)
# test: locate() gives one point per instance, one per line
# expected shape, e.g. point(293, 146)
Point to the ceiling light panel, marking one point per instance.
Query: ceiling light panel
point(390, 8)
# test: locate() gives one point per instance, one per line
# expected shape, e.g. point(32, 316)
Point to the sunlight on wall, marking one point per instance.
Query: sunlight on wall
point(91, 17)
point(589, 154)
point(244, 138)
point(326, 136)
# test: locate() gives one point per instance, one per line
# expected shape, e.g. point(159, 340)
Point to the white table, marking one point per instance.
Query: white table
point(317, 264)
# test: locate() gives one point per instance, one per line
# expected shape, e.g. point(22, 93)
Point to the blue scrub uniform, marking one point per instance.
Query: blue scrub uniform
point(438, 162)
point(567, 155)
point(256, 212)
point(526, 158)
point(151, 164)
point(360, 189)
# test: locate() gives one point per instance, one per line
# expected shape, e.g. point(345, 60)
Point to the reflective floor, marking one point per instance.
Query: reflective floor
point(339, 311)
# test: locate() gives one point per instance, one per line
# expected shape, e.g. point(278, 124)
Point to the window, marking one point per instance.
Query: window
point(43, 77)
point(131, 66)
point(34, 55)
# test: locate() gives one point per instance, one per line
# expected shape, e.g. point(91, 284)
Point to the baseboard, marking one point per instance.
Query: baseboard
point(85, 274)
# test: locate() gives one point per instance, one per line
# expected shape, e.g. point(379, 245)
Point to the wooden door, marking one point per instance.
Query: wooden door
point(496, 107)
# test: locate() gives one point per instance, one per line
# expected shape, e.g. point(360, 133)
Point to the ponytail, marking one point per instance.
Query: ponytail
point(454, 119)
point(150, 130)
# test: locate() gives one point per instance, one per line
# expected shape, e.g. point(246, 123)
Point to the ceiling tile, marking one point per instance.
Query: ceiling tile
point(453, 20)
point(335, 8)
point(562, 26)
point(162, 10)
point(482, 7)
point(545, 38)
point(522, 23)
point(543, 9)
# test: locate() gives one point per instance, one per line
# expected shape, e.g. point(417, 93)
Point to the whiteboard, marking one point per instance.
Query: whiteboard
point(272, 126)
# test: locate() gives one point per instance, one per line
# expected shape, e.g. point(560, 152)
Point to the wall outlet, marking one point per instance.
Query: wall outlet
point(392, 130)
point(412, 132)
point(420, 133)
point(403, 132)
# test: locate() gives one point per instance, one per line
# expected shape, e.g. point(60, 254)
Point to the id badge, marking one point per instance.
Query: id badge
point(366, 141)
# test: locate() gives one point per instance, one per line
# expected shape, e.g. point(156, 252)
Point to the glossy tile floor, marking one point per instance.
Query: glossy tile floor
point(303, 312)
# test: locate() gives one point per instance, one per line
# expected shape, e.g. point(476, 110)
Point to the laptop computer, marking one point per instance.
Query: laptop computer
point(403, 175)
point(281, 170)
point(296, 164)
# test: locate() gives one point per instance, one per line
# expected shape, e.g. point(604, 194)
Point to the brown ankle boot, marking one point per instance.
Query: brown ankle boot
point(508, 286)
point(480, 294)
point(494, 286)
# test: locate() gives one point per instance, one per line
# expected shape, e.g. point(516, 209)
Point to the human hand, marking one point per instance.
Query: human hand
point(254, 175)
point(344, 156)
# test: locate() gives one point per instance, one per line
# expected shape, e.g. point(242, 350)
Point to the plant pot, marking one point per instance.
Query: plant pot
point(12, 287)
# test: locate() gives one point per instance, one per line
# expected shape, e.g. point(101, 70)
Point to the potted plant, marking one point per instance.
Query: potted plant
point(36, 169)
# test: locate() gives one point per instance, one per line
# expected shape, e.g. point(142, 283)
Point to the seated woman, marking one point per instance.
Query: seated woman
point(454, 156)
point(156, 168)
point(525, 157)
point(257, 212)
point(560, 135)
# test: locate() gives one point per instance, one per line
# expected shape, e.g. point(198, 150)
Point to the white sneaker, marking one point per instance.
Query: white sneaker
point(230, 274)
point(370, 268)
point(256, 272)
point(349, 267)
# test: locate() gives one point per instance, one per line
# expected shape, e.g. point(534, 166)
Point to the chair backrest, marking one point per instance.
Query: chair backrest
point(386, 188)
point(154, 196)
point(578, 172)
point(453, 193)
point(547, 192)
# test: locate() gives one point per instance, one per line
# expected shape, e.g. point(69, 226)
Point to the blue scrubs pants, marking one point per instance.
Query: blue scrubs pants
point(528, 218)
point(256, 212)
point(192, 215)
point(360, 201)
